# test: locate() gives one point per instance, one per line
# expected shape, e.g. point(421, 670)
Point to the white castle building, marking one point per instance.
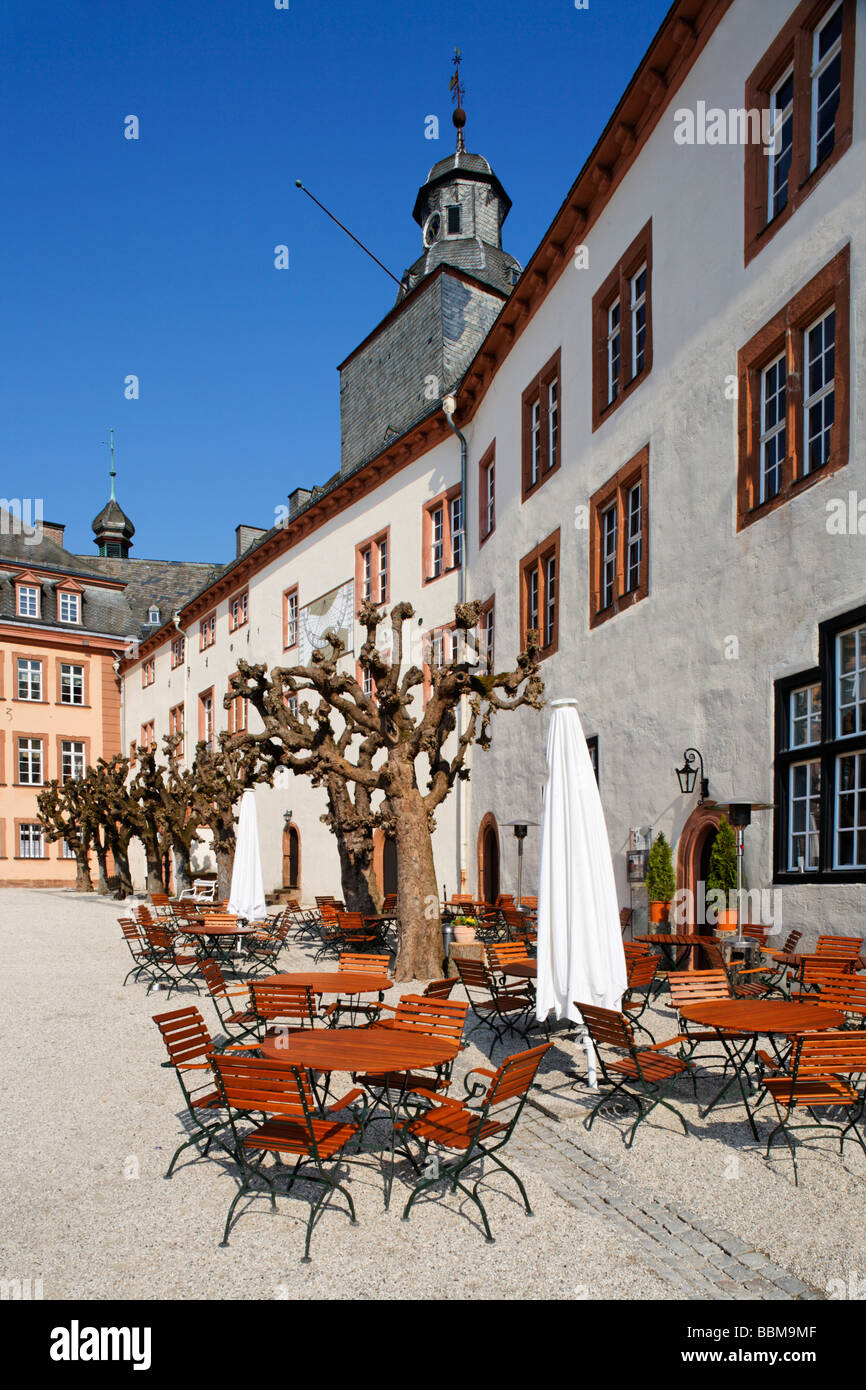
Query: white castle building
point(663, 416)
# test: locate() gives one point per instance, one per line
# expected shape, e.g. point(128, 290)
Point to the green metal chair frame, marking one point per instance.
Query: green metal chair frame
point(191, 1048)
point(169, 966)
point(502, 1009)
point(292, 1126)
point(473, 1132)
point(644, 1075)
point(139, 949)
point(642, 971)
point(237, 1024)
point(823, 1068)
point(282, 1009)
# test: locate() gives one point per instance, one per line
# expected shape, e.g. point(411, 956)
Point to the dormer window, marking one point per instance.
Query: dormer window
point(153, 616)
point(69, 607)
point(453, 219)
point(28, 600)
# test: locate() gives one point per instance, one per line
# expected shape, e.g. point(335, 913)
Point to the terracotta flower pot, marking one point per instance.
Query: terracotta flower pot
point(658, 912)
point(464, 935)
point(727, 920)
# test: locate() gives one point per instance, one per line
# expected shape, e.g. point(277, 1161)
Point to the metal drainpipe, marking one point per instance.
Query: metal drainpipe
point(461, 596)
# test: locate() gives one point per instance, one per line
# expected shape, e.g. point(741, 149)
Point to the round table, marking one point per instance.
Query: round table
point(521, 969)
point(757, 1017)
point(220, 929)
point(375, 1050)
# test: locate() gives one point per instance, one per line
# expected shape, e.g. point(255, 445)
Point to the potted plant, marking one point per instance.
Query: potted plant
point(661, 881)
point(464, 930)
point(722, 874)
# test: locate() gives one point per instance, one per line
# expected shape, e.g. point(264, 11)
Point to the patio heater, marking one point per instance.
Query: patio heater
point(739, 814)
point(520, 829)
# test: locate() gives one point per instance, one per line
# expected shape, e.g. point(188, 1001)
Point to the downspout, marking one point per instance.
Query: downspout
point(449, 405)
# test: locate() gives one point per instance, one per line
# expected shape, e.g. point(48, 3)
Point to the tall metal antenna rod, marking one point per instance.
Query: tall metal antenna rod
point(110, 443)
point(298, 184)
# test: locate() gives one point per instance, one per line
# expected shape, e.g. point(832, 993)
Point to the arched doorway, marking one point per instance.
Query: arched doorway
point(693, 859)
point(291, 857)
point(488, 859)
point(385, 861)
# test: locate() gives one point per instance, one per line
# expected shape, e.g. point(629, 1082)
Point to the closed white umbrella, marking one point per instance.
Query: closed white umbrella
point(580, 955)
point(247, 897)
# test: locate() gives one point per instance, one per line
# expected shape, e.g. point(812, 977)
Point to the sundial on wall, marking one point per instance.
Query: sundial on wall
point(335, 609)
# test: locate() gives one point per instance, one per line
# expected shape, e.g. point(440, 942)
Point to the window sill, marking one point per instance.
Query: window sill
point(452, 569)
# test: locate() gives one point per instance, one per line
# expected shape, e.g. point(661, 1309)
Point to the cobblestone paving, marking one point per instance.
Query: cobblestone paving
point(698, 1260)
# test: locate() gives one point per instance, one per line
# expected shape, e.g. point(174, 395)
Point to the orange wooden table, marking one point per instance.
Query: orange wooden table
point(333, 981)
point(379, 1051)
point(760, 1018)
point(522, 969)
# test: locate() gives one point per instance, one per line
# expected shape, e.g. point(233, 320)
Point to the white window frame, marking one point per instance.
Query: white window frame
point(72, 603)
point(31, 840)
point(29, 757)
point(535, 442)
point(780, 426)
point(858, 675)
point(828, 389)
point(73, 751)
point(33, 679)
point(811, 834)
point(383, 569)
point(437, 531)
point(549, 600)
point(787, 118)
point(634, 536)
point(27, 605)
point(74, 676)
point(812, 710)
point(819, 66)
point(638, 302)
point(552, 422)
point(491, 496)
point(859, 756)
point(456, 506)
point(609, 535)
point(292, 619)
point(614, 350)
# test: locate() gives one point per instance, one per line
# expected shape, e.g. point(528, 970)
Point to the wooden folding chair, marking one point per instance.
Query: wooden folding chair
point(822, 1074)
point(645, 1075)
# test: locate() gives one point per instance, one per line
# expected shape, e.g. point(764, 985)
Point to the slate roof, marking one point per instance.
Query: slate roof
point(113, 518)
point(169, 584)
point(486, 263)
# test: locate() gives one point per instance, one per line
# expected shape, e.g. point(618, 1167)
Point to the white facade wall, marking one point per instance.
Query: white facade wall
point(654, 679)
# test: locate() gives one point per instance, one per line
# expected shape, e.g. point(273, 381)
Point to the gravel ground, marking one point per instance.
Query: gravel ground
point(92, 1120)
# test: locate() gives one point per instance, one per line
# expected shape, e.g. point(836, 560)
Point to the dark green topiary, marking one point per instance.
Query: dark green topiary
point(661, 881)
point(722, 873)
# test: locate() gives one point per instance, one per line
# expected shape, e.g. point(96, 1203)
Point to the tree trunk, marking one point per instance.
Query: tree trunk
point(154, 869)
point(83, 881)
point(182, 869)
point(101, 874)
point(360, 889)
point(419, 928)
point(225, 858)
point(123, 873)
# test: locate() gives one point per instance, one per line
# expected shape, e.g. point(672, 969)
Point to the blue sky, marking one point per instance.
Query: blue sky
point(155, 256)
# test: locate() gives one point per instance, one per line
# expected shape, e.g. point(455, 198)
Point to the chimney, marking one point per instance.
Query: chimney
point(54, 531)
point(245, 536)
point(298, 499)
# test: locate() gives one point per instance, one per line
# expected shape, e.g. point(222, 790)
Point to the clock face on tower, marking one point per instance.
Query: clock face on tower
point(333, 610)
point(432, 228)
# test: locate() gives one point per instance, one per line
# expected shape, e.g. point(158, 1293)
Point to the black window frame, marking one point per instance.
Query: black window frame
point(825, 752)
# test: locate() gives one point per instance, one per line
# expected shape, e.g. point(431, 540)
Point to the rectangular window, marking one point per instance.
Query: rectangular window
point(70, 607)
point(806, 82)
point(457, 531)
point(487, 494)
point(29, 679)
point(148, 735)
point(71, 684)
point(178, 647)
point(31, 844)
point(238, 611)
point(290, 618)
point(486, 638)
point(781, 148)
point(206, 719)
point(367, 680)
point(28, 601)
point(454, 219)
point(619, 540)
point(622, 328)
point(794, 395)
point(542, 426)
point(148, 672)
point(805, 816)
point(30, 762)
point(207, 631)
point(820, 765)
point(66, 852)
point(72, 762)
point(773, 427)
point(372, 580)
point(539, 593)
point(820, 394)
point(437, 546)
point(175, 723)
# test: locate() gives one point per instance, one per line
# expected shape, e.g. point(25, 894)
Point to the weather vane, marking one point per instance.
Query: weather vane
point(458, 93)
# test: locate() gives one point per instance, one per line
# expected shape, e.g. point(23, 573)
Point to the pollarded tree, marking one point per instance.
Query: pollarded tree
point(114, 818)
point(62, 813)
point(219, 776)
point(152, 798)
point(378, 739)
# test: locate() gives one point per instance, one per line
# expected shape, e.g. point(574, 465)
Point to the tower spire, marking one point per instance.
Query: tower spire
point(458, 92)
point(112, 473)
